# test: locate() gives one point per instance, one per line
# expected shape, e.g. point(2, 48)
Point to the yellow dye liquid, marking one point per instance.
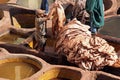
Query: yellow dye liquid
point(9, 38)
point(50, 42)
point(15, 22)
point(17, 70)
point(31, 44)
point(14, 39)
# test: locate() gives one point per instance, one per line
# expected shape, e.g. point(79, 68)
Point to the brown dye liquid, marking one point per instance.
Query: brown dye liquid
point(50, 42)
point(24, 20)
point(17, 70)
point(59, 79)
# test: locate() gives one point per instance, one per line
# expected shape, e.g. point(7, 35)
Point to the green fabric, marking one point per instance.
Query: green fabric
point(95, 9)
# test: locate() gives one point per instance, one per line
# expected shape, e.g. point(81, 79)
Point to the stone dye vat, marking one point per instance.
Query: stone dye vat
point(11, 38)
point(22, 17)
point(110, 7)
point(61, 73)
point(14, 16)
point(17, 67)
point(58, 72)
point(28, 67)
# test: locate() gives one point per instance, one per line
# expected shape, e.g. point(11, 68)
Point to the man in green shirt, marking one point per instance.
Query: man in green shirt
point(96, 12)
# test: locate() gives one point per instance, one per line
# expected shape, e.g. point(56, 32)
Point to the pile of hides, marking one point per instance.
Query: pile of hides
point(80, 47)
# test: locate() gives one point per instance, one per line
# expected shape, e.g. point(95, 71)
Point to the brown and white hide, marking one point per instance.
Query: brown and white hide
point(79, 11)
point(58, 17)
point(83, 49)
point(66, 3)
point(75, 9)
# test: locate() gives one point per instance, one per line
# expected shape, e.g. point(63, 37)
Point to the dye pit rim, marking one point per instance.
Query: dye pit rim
point(38, 62)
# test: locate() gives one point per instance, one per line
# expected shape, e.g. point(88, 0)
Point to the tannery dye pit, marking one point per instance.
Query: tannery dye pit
point(61, 73)
point(17, 67)
point(22, 18)
point(11, 38)
point(17, 70)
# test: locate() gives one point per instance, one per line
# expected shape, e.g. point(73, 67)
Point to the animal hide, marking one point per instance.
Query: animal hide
point(81, 48)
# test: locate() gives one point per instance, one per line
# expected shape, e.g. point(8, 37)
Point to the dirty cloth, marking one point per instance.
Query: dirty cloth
point(75, 9)
point(96, 11)
point(81, 48)
point(40, 32)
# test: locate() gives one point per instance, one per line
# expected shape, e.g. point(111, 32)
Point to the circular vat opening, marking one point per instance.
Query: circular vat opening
point(107, 4)
point(22, 18)
point(4, 1)
point(61, 74)
point(18, 67)
point(118, 11)
point(1, 14)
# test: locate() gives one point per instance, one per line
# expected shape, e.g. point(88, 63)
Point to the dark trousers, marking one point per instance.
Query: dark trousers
point(45, 5)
